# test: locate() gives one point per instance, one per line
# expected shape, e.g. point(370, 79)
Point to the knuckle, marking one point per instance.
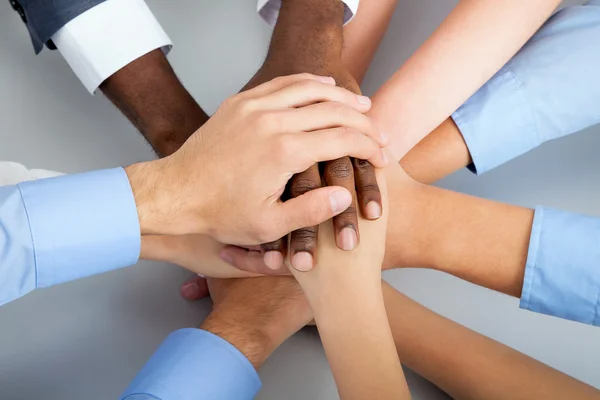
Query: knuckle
point(364, 166)
point(247, 107)
point(307, 84)
point(305, 239)
point(348, 216)
point(369, 187)
point(230, 102)
point(304, 76)
point(338, 108)
point(340, 169)
point(276, 245)
point(302, 185)
point(284, 80)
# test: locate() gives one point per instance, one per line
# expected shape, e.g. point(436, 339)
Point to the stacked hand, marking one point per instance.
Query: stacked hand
point(354, 174)
point(227, 179)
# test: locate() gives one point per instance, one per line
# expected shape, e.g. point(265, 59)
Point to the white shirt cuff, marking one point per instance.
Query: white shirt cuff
point(104, 39)
point(269, 10)
point(12, 173)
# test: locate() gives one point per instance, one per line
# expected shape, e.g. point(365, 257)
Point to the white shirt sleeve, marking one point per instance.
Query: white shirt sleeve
point(107, 37)
point(269, 10)
point(12, 173)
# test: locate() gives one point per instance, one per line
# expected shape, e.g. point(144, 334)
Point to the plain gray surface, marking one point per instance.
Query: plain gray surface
point(87, 339)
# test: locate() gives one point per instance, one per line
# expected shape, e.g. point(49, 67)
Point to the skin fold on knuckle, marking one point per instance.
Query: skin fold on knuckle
point(304, 184)
point(304, 239)
point(275, 245)
point(339, 170)
point(363, 166)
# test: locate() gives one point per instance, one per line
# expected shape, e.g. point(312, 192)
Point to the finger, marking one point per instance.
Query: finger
point(284, 81)
point(308, 91)
point(195, 288)
point(274, 253)
point(345, 225)
point(309, 148)
point(367, 189)
point(311, 208)
point(250, 261)
point(332, 114)
point(303, 242)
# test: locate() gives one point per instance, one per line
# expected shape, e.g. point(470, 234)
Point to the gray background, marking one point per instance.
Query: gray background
point(87, 339)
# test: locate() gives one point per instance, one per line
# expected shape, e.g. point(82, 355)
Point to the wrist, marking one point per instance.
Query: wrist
point(415, 220)
point(331, 308)
point(331, 291)
point(307, 30)
point(251, 341)
point(144, 179)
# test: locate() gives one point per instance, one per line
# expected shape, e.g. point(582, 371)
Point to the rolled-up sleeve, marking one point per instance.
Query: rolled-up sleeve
point(269, 10)
point(59, 229)
point(550, 89)
point(562, 274)
point(107, 37)
point(193, 364)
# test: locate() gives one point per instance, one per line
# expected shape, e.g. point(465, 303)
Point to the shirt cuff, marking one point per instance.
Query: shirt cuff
point(81, 225)
point(195, 364)
point(562, 274)
point(497, 123)
point(269, 10)
point(12, 173)
point(104, 39)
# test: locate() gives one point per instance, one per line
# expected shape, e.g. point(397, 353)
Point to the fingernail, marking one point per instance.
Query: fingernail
point(302, 261)
point(327, 79)
point(340, 200)
point(373, 210)
point(364, 100)
point(347, 239)
point(385, 138)
point(190, 290)
point(273, 259)
point(225, 257)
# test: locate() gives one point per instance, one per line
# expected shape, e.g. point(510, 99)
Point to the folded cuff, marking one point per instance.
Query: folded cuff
point(497, 122)
point(106, 38)
point(81, 225)
point(562, 274)
point(195, 364)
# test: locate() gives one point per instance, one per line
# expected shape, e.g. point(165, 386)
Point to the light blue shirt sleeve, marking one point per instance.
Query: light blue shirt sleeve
point(550, 89)
point(192, 364)
point(58, 229)
point(562, 274)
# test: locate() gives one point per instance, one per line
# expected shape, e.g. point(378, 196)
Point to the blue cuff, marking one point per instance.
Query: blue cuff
point(497, 123)
point(548, 90)
point(192, 364)
point(81, 224)
point(562, 274)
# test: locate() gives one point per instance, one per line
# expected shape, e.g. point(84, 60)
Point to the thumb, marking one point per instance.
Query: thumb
point(314, 207)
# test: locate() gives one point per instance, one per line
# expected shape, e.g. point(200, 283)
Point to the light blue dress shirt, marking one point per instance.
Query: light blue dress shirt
point(550, 89)
point(59, 229)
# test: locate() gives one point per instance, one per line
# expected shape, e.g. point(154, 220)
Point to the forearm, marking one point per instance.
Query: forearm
point(308, 37)
point(468, 365)
point(363, 35)
point(362, 356)
point(481, 241)
point(467, 49)
point(149, 94)
point(438, 155)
